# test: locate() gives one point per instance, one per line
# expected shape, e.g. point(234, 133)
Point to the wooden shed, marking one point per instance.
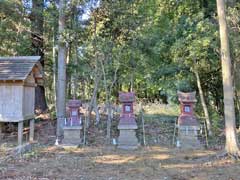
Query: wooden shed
point(18, 79)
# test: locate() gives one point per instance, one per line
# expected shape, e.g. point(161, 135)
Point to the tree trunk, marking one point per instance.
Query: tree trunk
point(93, 101)
point(229, 112)
point(107, 103)
point(108, 91)
point(132, 81)
point(205, 110)
point(75, 47)
point(61, 81)
point(54, 70)
point(74, 76)
point(37, 47)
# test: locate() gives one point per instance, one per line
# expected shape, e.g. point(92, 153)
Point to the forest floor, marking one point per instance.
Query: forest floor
point(158, 160)
point(110, 163)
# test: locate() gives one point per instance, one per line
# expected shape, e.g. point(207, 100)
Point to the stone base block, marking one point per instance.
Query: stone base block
point(72, 135)
point(190, 143)
point(127, 139)
point(188, 138)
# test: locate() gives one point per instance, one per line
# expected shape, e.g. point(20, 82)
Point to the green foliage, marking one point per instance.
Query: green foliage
point(15, 29)
point(156, 43)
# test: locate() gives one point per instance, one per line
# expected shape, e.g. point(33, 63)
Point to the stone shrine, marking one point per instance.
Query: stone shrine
point(73, 123)
point(127, 124)
point(187, 122)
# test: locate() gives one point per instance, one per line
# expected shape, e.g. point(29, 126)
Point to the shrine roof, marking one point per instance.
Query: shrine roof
point(74, 103)
point(126, 96)
point(187, 97)
point(17, 67)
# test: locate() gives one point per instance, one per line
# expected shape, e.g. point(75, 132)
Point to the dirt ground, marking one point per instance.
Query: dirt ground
point(110, 163)
point(157, 161)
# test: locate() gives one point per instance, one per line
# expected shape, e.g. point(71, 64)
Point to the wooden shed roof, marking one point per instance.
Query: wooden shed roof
point(18, 67)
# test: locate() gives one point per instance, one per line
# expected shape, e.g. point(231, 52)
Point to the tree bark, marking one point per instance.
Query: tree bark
point(54, 70)
point(37, 47)
point(61, 79)
point(229, 111)
point(93, 102)
point(107, 102)
point(205, 110)
point(108, 91)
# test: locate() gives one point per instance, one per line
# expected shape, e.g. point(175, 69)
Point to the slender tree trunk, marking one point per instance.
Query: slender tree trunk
point(107, 102)
point(229, 112)
point(84, 88)
point(132, 81)
point(108, 91)
point(61, 83)
point(74, 77)
point(205, 110)
point(93, 102)
point(37, 46)
point(54, 69)
point(75, 44)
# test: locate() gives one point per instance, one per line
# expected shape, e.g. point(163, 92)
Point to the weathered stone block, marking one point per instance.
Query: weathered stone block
point(72, 135)
point(127, 139)
point(188, 137)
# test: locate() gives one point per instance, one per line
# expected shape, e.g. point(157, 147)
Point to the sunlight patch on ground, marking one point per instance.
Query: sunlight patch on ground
point(179, 166)
point(193, 154)
point(115, 159)
point(157, 149)
point(160, 156)
point(65, 150)
point(202, 153)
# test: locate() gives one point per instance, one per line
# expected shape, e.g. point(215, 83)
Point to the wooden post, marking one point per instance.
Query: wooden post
point(20, 132)
point(1, 126)
point(31, 135)
point(174, 132)
point(143, 126)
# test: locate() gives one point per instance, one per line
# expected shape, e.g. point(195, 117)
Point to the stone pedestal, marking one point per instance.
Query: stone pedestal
point(127, 124)
point(187, 122)
point(187, 136)
point(127, 138)
point(72, 135)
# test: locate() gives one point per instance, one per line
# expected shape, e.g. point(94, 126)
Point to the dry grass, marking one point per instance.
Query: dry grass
point(162, 109)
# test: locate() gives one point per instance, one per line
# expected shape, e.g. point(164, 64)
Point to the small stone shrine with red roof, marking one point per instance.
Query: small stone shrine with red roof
point(127, 124)
point(73, 123)
point(187, 122)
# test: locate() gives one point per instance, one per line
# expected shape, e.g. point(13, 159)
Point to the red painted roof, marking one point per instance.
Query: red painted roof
point(187, 97)
point(126, 96)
